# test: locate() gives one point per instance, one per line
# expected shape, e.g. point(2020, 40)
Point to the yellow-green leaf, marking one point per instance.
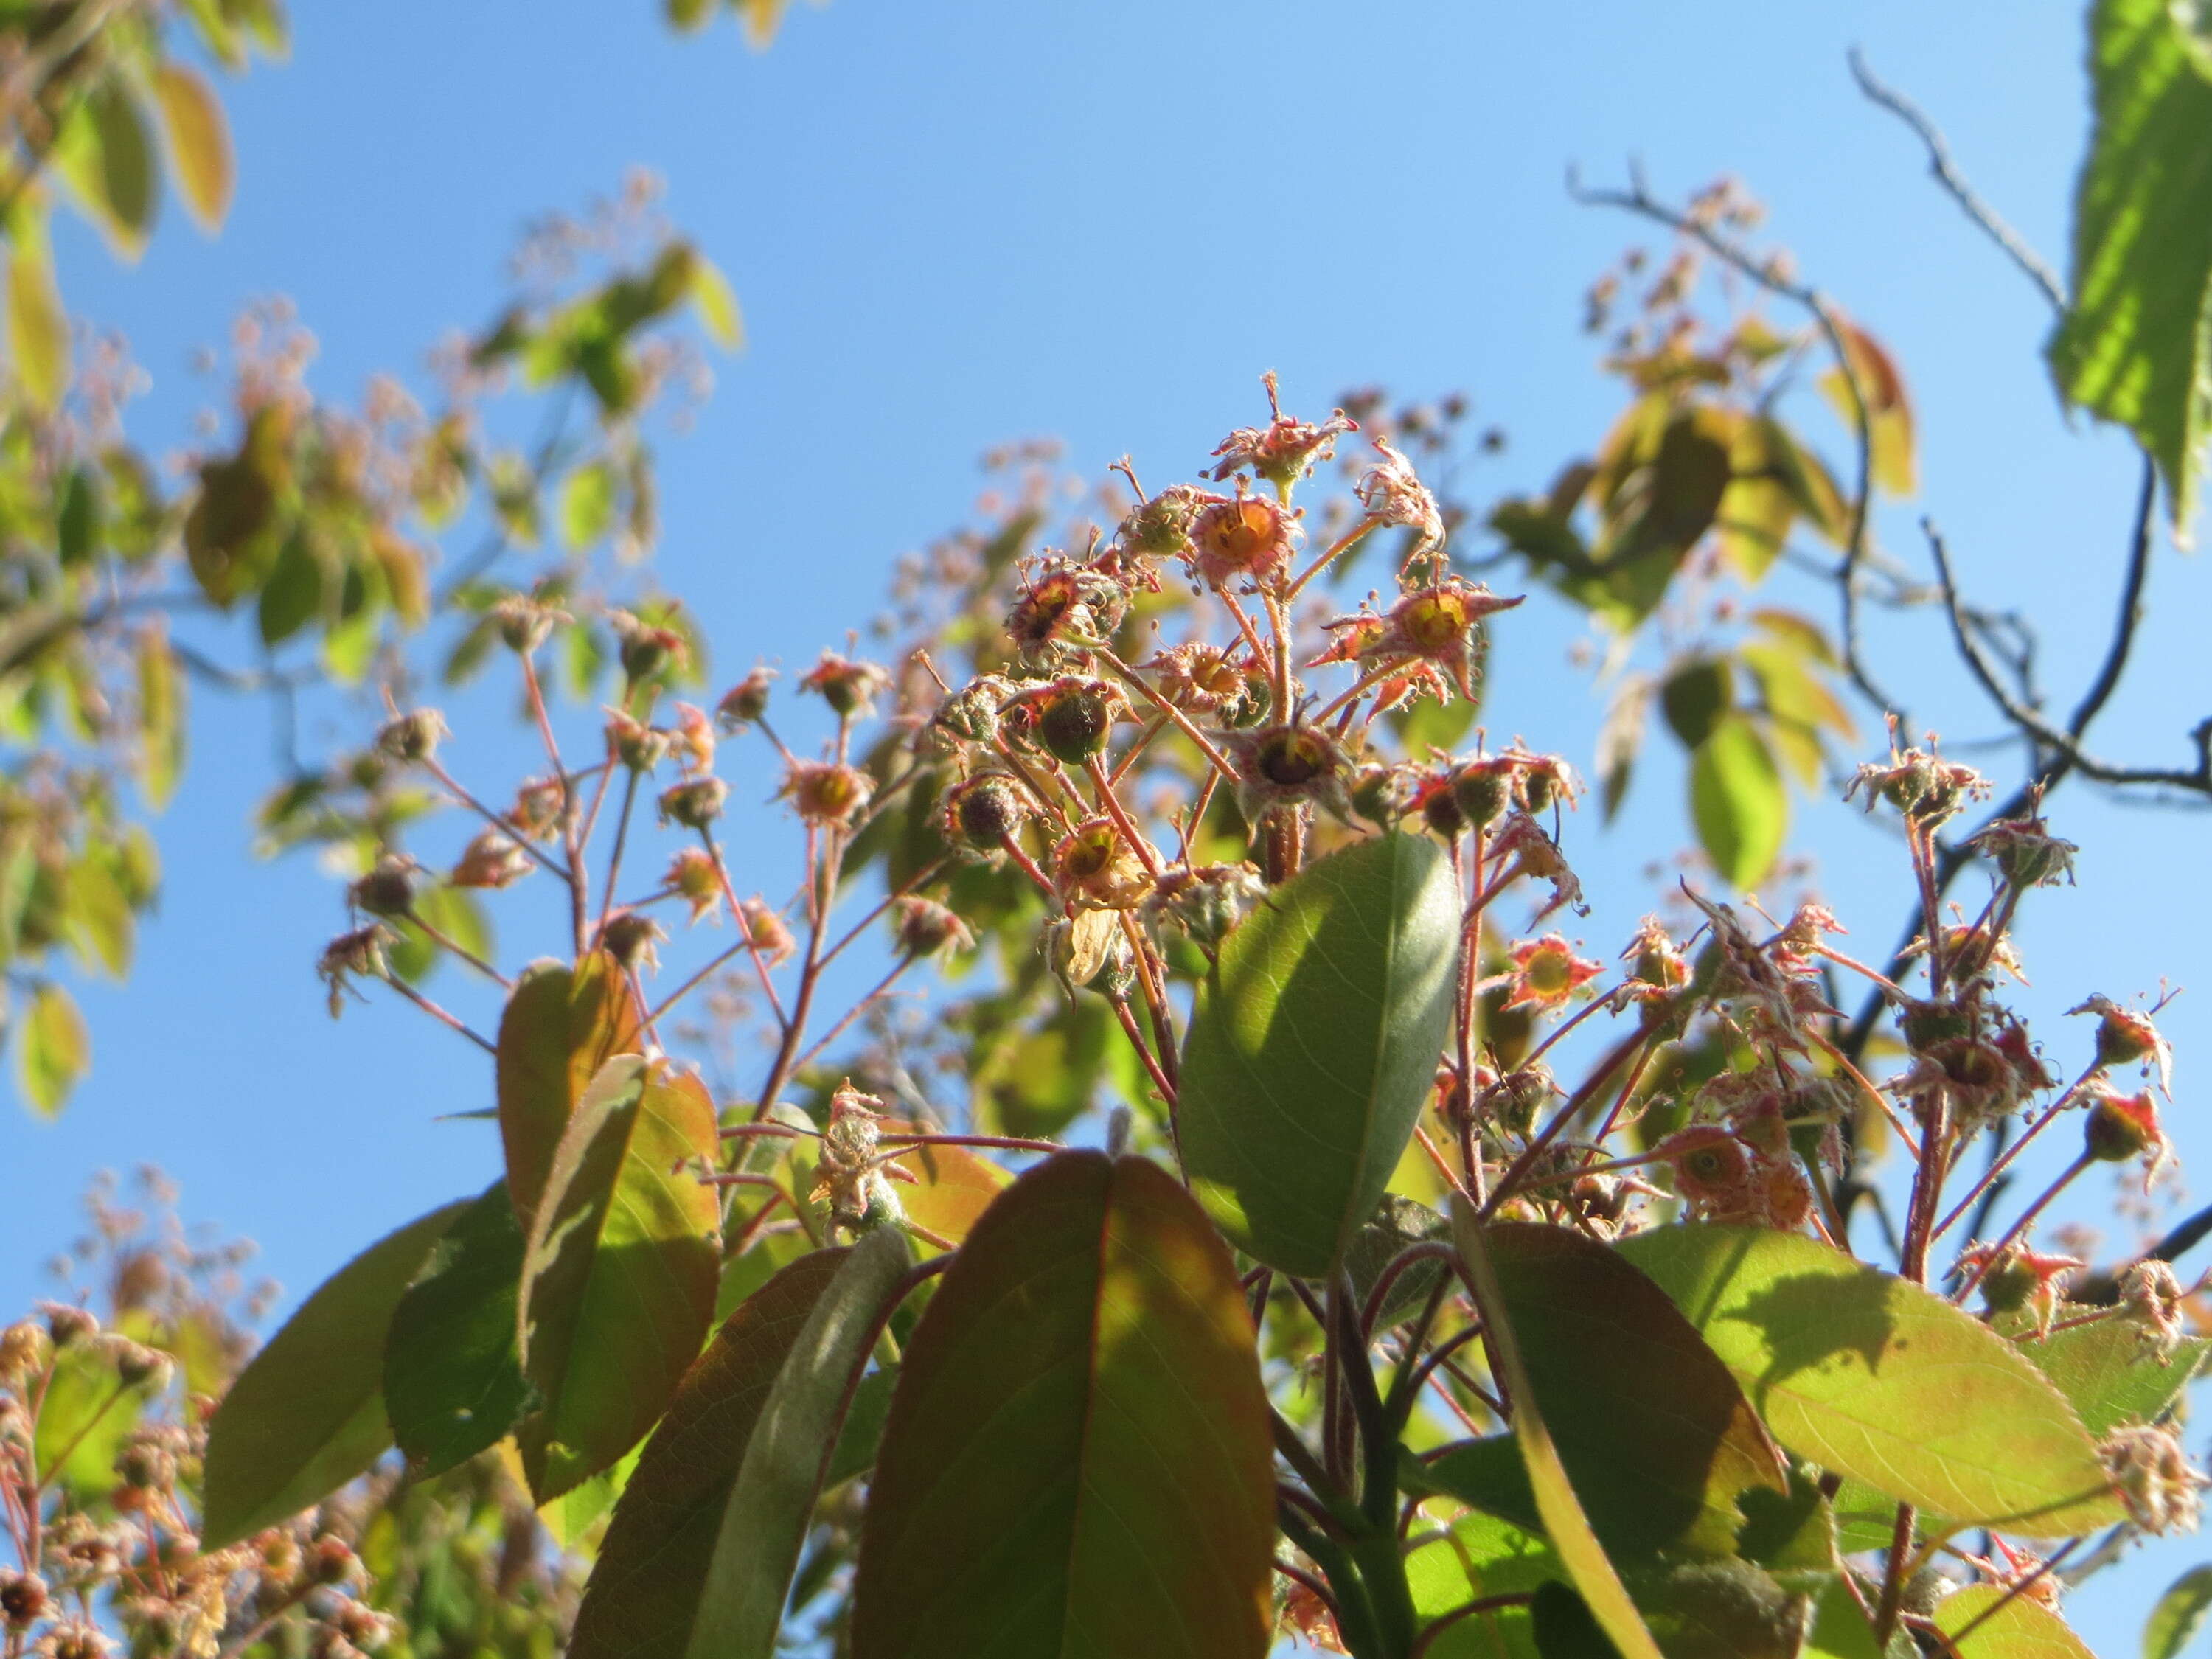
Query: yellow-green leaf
point(587, 504)
point(199, 141)
point(716, 302)
point(2133, 346)
point(560, 1026)
point(38, 331)
point(54, 1050)
point(1564, 1520)
point(1738, 802)
point(1879, 1379)
point(1985, 1621)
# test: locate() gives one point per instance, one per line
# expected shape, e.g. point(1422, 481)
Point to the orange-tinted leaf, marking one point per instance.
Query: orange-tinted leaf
point(560, 1026)
point(644, 1589)
point(199, 141)
point(1077, 1452)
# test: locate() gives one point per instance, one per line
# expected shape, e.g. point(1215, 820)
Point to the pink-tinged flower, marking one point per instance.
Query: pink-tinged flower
point(848, 687)
point(2151, 1297)
point(1067, 608)
point(745, 701)
point(692, 742)
point(1285, 450)
point(1393, 494)
point(2016, 1277)
point(1924, 787)
point(1437, 624)
point(2126, 1035)
point(1546, 972)
point(1212, 683)
point(2122, 1126)
point(1248, 540)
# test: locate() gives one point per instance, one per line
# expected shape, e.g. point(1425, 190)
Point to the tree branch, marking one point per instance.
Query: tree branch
point(1947, 174)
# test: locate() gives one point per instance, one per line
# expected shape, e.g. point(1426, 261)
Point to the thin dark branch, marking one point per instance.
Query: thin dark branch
point(1947, 174)
point(2065, 744)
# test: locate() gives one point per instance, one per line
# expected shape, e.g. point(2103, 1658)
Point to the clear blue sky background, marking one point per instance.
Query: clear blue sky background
point(955, 224)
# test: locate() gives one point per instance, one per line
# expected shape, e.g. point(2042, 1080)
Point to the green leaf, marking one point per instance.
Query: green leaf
point(55, 1050)
point(1478, 1557)
point(38, 329)
point(2179, 1615)
point(294, 593)
point(1889, 413)
point(307, 1415)
point(199, 141)
point(1696, 696)
point(77, 517)
point(716, 302)
point(560, 1025)
point(688, 14)
point(86, 1415)
point(1398, 1222)
point(587, 504)
point(455, 912)
point(107, 156)
point(162, 732)
point(1876, 1378)
point(1314, 1048)
point(1757, 506)
point(101, 929)
point(644, 1590)
point(2109, 1374)
point(1981, 1623)
point(2135, 345)
point(764, 1523)
point(1737, 802)
point(618, 1275)
point(1655, 1435)
point(453, 1383)
point(1077, 1457)
point(1564, 1522)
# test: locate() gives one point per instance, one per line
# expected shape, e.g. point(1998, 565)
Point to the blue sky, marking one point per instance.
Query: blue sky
point(952, 225)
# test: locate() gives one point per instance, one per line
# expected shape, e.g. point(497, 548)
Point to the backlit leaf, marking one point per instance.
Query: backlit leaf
point(87, 1413)
point(307, 1415)
point(1889, 412)
point(560, 1026)
point(107, 156)
point(2179, 1615)
point(452, 1384)
point(1738, 802)
point(619, 1272)
point(1879, 1379)
point(716, 303)
point(1565, 1524)
point(1696, 696)
point(1077, 1456)
point(199, 141)
point(1651, 1427)
point(2133, 346)
point(764, 1523)
point(54, 1051)
point(644, 1589)
point(2108, 1373)
point(1981, 1623)
point(1314, 1047)
point(38, 330)
point(162, 731)
point(587, 504)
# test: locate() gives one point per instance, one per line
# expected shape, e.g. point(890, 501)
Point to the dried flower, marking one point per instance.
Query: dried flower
point(1924, 787)
point(694, 873)
point(537, 808)
point(825, 792)
point(1071, 719)
point(696, 802)
point(23, 1599)
point(2125, 1037)
point(414, 736)
point(646, 651)
point(923, 928)
point(767, 933)
point(1160, 528)
point(388, 889)
point(1067, 608)
point(493, 859)
point(2153, 1477)
point(631, 937)
point(692, 742)
point(981, 811)
point(2025, 851)
point(1213, 683)
point(2017, 1276)
point(1393, 494)
point(1438, 624)
point(2151, 1297)
point(2123, 1127)
point(1282, 767)
point(524, 623)
point(25, 1350)
point(638, 746)
point(1095, 869)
